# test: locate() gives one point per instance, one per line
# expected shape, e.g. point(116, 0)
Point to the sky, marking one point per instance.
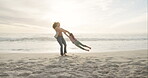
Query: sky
point(77, 16)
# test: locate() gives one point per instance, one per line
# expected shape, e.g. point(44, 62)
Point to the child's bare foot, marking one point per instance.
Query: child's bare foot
point(89, 47)
point(86, 50)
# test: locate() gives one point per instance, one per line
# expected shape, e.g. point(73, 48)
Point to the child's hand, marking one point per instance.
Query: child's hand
point(68, 32)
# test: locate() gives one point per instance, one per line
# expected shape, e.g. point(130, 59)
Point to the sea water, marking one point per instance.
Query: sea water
point(46, 43)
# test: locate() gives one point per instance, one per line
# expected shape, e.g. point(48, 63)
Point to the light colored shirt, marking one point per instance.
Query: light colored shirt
point(56, 35)
point(72, 40)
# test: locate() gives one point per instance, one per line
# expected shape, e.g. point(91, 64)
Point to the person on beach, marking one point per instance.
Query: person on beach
point(76, 42)
point(59, 37)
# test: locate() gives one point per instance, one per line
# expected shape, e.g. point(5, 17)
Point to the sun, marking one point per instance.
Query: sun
point(67, 13)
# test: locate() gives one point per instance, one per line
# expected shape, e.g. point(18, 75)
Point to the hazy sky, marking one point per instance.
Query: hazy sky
point(78, 16)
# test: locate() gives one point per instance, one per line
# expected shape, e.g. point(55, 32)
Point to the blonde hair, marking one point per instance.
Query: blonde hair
point(55, 24)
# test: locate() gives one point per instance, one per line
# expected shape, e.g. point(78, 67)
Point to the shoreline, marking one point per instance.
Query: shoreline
point(73, 52)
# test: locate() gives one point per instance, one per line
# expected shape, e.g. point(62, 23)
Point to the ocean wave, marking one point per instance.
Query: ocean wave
point(81, 39)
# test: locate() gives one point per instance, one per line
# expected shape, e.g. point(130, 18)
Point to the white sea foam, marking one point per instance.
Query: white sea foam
point(47, 43)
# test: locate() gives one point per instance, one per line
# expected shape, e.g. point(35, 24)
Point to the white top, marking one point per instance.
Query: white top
point(56, 35)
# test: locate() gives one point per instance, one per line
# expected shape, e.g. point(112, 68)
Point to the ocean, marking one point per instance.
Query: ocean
point(46, 43)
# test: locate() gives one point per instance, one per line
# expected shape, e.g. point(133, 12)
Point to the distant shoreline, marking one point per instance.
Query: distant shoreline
point(72, 52)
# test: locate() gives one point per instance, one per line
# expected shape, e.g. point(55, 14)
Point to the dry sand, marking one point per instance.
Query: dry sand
point(125, 64)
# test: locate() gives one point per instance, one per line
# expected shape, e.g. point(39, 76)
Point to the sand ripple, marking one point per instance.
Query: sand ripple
point(75, 66)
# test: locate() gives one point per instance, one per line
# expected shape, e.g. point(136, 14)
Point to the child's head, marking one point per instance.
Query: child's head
point(72, 35)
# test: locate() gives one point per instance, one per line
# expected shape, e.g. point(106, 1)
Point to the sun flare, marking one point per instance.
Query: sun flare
point(66, 13)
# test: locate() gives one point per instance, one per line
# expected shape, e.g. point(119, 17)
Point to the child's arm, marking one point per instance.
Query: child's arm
point(66, 34)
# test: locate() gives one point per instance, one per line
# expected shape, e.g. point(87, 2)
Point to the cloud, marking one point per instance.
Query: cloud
point(133, 25)
point(138, 19)
point(22, 11)
point(76, 14)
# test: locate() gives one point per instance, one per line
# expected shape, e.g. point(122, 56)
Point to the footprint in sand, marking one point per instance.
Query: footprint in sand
point(32, 59)
point(4, 75)
point(2, 64)
point(108, 58)
point(37, 71)
point(24, 74)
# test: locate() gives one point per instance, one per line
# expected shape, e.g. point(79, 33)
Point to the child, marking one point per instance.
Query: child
point(77, 43)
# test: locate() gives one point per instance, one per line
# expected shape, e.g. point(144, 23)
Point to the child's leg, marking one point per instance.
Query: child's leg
point(84, 45)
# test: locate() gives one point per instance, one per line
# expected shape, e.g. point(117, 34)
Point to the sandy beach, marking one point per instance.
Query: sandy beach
point(124, 64)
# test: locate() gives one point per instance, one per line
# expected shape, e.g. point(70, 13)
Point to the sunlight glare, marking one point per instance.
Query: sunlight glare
point(67, 14)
